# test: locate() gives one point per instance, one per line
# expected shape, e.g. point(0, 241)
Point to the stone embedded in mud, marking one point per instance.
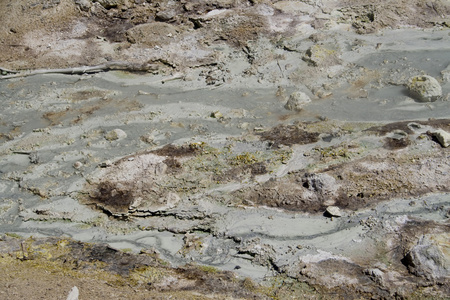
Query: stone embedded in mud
point(296, 101)
point(424, 88)
point(166, 15)
point(77, 165)
point(321, 56)
point(73, 294)
point(430, 257)
point(334, 211)
point(323, 184)
point(443, 137)
point(376, 274)
point(216, 115)
point(116, 134)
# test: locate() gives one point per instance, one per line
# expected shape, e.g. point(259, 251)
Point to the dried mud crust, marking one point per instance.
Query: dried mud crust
point(375, 179)
point(348, 175)
point(355, 185)
point(89, 32)
point(53, 266)
point(155, 181)
point(351, 176)
point(289, 135)
point(370, 17)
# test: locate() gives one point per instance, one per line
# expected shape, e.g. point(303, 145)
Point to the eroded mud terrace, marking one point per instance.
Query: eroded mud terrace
point(278, 141)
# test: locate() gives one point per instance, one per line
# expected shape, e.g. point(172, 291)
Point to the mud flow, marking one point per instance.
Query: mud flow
point(225, 149)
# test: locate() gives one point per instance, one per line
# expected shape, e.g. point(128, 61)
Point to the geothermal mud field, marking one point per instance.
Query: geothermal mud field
point(224, 149)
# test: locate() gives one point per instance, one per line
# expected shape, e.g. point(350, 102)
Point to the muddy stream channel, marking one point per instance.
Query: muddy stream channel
point(347, 191)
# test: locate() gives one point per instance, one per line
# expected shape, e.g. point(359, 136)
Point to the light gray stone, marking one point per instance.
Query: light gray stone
point(334, 211)
point(424, 88)
point(443, 137)
point(296, 101)
point(73, 294)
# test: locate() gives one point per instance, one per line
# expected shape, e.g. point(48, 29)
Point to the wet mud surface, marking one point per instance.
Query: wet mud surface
point(196, 179)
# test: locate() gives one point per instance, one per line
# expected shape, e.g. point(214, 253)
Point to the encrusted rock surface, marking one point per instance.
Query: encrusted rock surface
point(429, 257)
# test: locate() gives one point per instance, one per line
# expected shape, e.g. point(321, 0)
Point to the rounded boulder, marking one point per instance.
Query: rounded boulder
point(424, 88)
point(296, 101)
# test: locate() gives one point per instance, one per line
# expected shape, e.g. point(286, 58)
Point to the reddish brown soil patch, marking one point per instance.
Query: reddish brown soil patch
point(289, 135)
point(175, 151)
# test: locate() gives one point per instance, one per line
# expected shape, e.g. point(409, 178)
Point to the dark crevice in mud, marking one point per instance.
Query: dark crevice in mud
point(291, 238)
point(179, 151)
point(191, 216)
point(112, 195)
point(288, 201)
point(396, 143)
point(173, 164)
point(289, 135)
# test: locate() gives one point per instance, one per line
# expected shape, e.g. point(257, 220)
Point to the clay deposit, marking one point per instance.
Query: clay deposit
point(225, 149)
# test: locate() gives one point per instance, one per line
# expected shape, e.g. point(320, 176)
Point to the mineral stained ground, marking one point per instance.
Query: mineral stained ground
point(225, 149)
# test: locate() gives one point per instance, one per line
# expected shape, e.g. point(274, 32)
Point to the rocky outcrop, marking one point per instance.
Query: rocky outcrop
point(430, 257)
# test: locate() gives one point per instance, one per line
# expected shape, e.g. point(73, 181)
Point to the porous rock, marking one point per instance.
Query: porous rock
point(424, 88)
point(296, 101)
